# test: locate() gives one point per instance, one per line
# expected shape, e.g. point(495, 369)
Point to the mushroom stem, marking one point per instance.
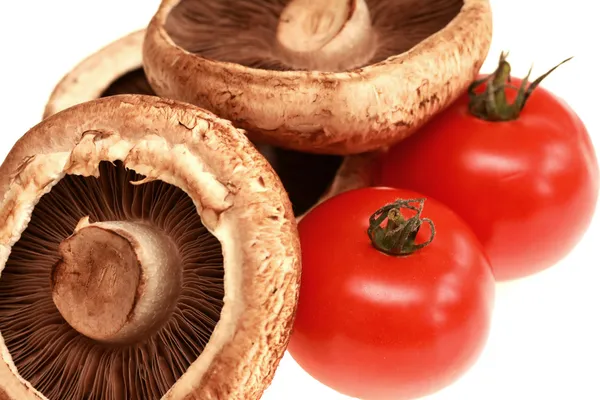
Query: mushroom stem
point(116, 281)
point(333, 35)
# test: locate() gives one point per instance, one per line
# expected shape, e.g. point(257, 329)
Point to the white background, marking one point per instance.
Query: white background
point(545, 339)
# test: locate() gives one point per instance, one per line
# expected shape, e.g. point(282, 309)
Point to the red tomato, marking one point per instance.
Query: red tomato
point(377, 326)
point(527, 187)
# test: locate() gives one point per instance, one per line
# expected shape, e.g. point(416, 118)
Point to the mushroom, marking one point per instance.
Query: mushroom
point(336, 77)
point(114, 69)
point(117, 69)
point(147, 251)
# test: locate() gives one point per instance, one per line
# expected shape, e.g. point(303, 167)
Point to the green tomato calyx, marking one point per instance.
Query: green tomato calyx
point(399, 234)
point(492, 104)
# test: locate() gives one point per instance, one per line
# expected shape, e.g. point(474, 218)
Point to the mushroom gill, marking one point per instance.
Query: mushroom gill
point(335, 35)
point(104, 347)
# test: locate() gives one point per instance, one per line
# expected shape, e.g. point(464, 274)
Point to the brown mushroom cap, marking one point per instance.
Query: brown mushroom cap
point(308, 178)
point(219, 55)
point(162, 168)
point(96, 74)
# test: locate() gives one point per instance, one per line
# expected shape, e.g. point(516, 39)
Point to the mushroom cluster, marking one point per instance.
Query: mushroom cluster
point(117, 69)
point(148, 243)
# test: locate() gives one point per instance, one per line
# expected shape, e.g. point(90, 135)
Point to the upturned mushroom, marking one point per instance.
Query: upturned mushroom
point(336, 77)
point(147, 251)
point(117, 69)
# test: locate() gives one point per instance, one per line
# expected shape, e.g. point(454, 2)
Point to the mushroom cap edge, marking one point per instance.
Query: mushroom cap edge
point(339, 113)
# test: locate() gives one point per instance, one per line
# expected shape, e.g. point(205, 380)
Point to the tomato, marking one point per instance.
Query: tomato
point(378, 326)
point(527, 186)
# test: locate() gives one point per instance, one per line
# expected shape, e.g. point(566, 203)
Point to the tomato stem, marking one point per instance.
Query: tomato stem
point(398, 235)
point(491, 104)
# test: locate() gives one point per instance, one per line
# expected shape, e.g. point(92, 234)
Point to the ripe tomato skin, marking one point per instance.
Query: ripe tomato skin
point(375, 326)
point(528, 187)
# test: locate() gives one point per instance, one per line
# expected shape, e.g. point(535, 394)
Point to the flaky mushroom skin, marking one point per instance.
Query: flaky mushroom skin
point(238, 195)
point(339, 113)
point(93, 75)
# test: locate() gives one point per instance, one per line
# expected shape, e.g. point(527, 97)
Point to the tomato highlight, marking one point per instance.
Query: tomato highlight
point(396, 295)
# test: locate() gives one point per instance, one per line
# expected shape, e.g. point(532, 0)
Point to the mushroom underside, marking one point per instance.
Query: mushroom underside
point(132, 82)
point(245, 31)
point(305, 176)
point(50, 353)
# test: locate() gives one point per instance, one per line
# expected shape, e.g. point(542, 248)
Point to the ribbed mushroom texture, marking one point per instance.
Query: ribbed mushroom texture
point(336, 77)
point(67, 299)
point(335, 35)
point(147, 251)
